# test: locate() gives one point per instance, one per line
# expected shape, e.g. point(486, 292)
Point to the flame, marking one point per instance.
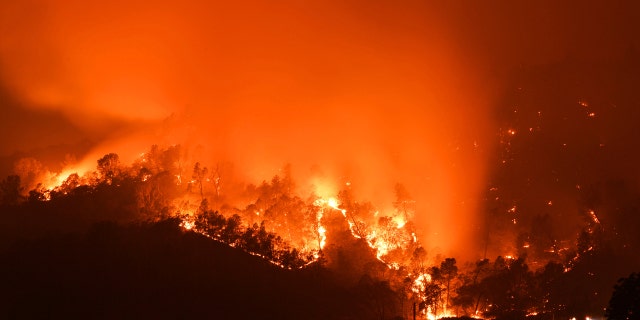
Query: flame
point(320, 229)
point(333, 203)
point(384, 236)
point(379, 238)
point(418, 288)
point(420, 284)
point(57, 179)
point(400, 221)
point(119, 62)
point(593, 216)
point(187, 224)
point(323, 237)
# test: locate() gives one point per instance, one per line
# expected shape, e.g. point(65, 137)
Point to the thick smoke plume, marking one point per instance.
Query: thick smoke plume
point(370, 93)
point(373, 95)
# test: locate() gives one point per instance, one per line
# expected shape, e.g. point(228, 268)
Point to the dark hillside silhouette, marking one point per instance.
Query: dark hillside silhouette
point(159, 271)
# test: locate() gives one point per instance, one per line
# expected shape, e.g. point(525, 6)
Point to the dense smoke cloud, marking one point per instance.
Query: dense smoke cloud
point(367, 93)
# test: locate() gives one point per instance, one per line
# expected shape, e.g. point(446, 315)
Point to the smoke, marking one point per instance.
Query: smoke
point(371, 93)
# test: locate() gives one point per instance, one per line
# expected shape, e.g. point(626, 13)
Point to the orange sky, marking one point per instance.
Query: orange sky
point(373, 92)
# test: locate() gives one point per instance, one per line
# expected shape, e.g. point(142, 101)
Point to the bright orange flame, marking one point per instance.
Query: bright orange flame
point(188, 225)
point(383, 241)
point(400, 221)
point(333, 203)
point(593, 216)
point(337, 98)
point(323, 237)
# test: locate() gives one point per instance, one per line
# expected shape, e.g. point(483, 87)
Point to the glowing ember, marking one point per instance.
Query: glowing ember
point(357, 98)
point(333, 203)
point(323, 238)
point(383, 238)
point(188, 225)
point(400, 221)
point(593, 216)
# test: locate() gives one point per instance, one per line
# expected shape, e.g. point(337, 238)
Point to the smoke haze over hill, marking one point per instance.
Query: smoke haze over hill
point(370, 93)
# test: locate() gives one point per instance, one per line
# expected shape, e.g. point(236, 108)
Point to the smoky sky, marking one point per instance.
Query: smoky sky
point(369, 92)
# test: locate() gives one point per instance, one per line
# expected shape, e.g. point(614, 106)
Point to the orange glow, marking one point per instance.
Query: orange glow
point(320, 229)
point(379, 237)
point(375, 96)
point(333, 203)
point(56, 179)
point(593, 216)
point(188, 225)
point(400, 221)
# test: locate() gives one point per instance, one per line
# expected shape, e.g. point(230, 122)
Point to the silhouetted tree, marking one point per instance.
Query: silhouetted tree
point(404, 203)
point(449, 271)
point(433, 292)
point(231, 232)
point(109, 167)
point(211, 223)
point(548, 288)
point(72, 182)
point(360, 214)
point(508, 288)
point(266, 241)
point(377, 296)
point(155, 194)
point(249, 239)
point(10, 190)
point(625, 300)
point(290, 258)
point(199, 176)
point(471, 293)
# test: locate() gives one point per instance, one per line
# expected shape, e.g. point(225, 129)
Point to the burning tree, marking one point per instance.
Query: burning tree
point(198, 177)
point(349, 236)
point(109, 167)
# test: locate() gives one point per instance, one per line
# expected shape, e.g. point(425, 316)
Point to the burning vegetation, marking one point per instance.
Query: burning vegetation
point(360, 244)
point(446, 159)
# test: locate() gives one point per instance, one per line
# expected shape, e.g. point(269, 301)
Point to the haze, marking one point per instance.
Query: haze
point(371, 93)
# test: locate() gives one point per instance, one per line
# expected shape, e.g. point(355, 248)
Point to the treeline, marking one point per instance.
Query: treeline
point(162, 184)
point(54, 220)
point(283, 228)
point(254, 239)
point(507, 288)
point(128, 194)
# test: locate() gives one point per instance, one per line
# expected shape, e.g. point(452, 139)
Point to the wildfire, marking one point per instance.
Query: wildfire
point(593, 216)
point(323, 237)
point(187, 224)
point(418, 287)
point(380, 238)
point(420, 283)
point(54, 181)
point(388, 235)
point(57, 179)
point(333, 203)
point(320, 229)
point(400, 221)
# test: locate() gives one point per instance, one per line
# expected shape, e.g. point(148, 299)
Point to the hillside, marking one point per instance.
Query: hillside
point(157, 270)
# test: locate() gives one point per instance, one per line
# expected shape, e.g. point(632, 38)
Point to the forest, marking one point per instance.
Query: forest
point(156, 239)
